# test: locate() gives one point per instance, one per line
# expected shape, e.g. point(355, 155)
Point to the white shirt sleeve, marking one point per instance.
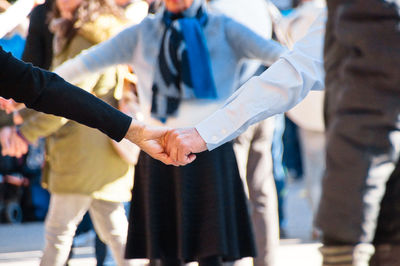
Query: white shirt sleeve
point(14, 15)
point(278, 89)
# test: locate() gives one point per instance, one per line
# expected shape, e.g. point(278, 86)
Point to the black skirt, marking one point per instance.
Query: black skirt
point(190, 212)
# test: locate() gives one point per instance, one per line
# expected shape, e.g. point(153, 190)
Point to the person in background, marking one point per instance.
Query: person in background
point(253, 147)
point(80, 182)
point(39, 41)
point(307, 115)
point(39, 51)
point(102, 196)
point(362, 113)
point(174, 221)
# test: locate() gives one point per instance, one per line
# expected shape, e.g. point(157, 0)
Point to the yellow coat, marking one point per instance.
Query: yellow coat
point(80, 159)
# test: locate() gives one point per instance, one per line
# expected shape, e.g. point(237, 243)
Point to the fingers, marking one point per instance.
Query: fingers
point(5, 140)
point(191, 157)
point(12, 144)
point(17, 118)
point(152, 141)
point(8, 105)
point(20, 147)
point(165, 159)
point(181, 144)
point(173, 147)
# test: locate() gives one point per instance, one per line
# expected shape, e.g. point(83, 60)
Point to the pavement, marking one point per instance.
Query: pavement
point(21, 244)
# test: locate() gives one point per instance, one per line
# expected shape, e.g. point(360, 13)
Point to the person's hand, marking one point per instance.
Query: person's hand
point(150, 140)
point(17, 118)
point(11, 143)
point(183, 143)
point(7, 105)
point(10, 105)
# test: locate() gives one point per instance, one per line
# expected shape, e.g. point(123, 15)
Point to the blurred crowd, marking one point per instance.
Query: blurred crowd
point(90, 177)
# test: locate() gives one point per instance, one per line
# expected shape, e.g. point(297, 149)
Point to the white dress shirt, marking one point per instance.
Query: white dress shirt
point(277, 90)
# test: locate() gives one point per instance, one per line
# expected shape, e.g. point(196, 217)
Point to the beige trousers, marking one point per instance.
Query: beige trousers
point(66, 212)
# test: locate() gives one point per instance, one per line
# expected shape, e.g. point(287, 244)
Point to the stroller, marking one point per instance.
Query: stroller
point(21, 196)
point(11, 190)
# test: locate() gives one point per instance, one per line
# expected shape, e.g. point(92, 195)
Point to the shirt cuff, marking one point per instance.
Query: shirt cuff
point(216, 129)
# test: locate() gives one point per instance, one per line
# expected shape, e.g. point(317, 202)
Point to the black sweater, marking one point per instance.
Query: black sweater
point(46, 92)
point(39, 42)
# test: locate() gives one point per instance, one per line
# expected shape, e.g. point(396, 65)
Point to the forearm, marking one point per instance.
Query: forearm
point(257, 99)
point(135, 131)
point(277, 90)
point(84, 108)
point(46, 92)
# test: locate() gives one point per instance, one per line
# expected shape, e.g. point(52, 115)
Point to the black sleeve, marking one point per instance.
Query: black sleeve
point(46, 92)
point(38, 45)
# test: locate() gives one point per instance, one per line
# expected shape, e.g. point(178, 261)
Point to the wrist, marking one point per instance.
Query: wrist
point(202, 145)
point(135, 131)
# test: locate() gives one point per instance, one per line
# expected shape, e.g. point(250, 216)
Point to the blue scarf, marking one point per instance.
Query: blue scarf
point(184, 66)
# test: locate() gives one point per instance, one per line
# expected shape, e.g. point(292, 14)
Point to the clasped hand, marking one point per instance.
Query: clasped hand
point(170, 146)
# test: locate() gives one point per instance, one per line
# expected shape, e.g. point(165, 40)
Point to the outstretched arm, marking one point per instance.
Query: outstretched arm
point(46, 92)
point(278, 89)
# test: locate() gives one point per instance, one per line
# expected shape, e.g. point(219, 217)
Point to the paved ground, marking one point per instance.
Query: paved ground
point(20, 245)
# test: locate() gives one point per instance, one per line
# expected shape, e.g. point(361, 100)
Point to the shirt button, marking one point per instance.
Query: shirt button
point(214, 138)
point(223, 131)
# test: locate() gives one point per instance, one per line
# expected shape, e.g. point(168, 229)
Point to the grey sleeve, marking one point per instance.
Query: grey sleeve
point(250, 45)
point(117, 50)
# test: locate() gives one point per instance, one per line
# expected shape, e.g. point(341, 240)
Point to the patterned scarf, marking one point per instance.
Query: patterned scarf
point(183, 68)
point(60, 27)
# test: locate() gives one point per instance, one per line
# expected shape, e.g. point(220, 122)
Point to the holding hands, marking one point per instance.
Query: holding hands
point(181, 145)
point(170, 146)
point(150, 139)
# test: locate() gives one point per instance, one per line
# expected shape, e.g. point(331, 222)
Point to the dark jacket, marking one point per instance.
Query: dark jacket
point(38, 47)
point(46, 92)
